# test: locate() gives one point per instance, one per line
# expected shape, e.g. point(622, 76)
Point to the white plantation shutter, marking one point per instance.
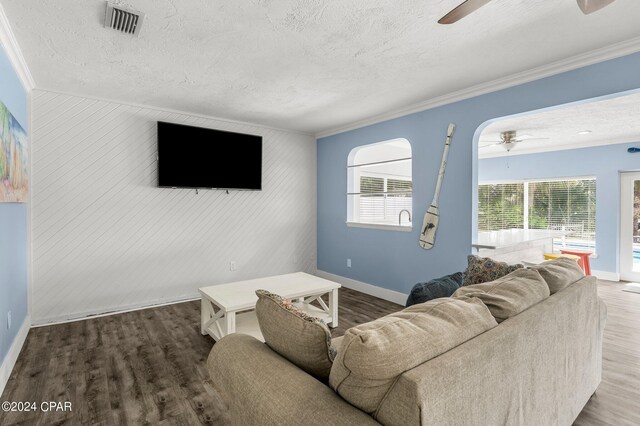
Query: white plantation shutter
point(371, 199)
point(398, 186)
point(381, 199)
point(371, 185)
point(399, 197)
point(567, 205)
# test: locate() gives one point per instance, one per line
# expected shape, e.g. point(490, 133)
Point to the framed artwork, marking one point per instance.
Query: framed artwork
point(14, 176)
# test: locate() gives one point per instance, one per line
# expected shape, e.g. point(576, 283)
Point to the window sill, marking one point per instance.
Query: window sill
point(384, 227)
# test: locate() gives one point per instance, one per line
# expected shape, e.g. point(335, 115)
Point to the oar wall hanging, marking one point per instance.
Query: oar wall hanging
point(430, 222)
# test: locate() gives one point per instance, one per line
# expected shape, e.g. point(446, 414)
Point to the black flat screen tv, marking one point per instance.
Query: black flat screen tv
point(195, 157)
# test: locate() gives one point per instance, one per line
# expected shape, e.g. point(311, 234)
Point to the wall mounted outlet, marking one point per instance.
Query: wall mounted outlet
point(8, 320)
point(232, 265)
point(348, 263)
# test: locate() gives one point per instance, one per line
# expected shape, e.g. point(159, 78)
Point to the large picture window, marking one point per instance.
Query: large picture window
point(379, 187)
point(567, 205)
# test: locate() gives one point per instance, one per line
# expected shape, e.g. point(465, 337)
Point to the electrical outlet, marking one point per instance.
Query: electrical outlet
point(232, 265)
point(348, 263)
point(9, 320)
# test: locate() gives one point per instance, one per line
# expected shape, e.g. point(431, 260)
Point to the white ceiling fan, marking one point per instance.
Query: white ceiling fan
point(469, 6)
point(508, 140)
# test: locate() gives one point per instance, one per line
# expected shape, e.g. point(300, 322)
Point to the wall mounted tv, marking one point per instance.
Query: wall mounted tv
point(195, 157)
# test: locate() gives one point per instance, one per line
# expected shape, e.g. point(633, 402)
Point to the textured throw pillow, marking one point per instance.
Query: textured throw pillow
point(302, 339)
point(374, 354)
point(559, 273)
point(434, 289)
point(509, 295)
point(484, 269)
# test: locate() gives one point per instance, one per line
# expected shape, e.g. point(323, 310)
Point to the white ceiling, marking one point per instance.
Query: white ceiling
point(610, 121)
point(308, 65)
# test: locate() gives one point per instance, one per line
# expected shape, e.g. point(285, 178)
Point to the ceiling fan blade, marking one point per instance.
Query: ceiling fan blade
point(463, 9)
point(590, 6)
point(532, 139)
point(491, 144)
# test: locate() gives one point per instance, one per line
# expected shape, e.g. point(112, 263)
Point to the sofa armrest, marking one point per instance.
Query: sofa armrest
point(262, 388)
point(603, 314)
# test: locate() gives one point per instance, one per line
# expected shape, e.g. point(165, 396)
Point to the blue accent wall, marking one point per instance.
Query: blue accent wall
point(394, 260)
point(603, 162)
point(13, 224)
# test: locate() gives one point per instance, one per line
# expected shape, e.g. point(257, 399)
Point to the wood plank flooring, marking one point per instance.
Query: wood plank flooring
point(617, 400)
point(148, 366)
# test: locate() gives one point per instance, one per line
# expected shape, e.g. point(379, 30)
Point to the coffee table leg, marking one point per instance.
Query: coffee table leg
point(229, 322)
point(333, 307)
point(206, 312)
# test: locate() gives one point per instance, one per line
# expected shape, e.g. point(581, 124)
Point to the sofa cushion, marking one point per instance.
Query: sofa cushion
point(485, 269)
point(509, 295)
point(434, 289)
point(373, 355)
point(302, 339)
point(559, 273)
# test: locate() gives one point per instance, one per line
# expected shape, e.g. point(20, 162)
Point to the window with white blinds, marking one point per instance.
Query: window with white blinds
point(381, 199)
point(568, 205)
point(501, 206)
point(379, 184)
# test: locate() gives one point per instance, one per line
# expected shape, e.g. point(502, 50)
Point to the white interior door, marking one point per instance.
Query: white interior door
point(630, 226)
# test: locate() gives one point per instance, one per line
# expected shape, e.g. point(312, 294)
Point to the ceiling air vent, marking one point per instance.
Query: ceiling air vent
point(121, 19)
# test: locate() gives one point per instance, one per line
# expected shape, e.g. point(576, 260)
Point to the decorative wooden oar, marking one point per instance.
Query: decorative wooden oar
point(430, 222)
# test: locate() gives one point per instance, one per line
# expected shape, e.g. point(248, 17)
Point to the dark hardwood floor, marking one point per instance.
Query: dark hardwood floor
point(149, 366)
point(136, 368)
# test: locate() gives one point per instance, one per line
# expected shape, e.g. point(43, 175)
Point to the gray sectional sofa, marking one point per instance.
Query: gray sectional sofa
point(537, 367)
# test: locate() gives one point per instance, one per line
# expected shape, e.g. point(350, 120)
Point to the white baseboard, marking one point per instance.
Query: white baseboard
point(81, 316)
point(604, 275)
point(12, 356)
point(382, 293)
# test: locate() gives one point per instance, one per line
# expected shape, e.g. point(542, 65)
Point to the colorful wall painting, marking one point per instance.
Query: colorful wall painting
point(14, 176)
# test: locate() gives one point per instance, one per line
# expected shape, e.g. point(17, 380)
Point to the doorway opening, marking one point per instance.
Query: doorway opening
point(557, 172)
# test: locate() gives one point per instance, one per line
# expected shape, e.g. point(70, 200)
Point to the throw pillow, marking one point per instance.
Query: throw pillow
point(301, 338)
point(509, 295)
point(373, 355)
point(559, 273)
point(434, 289)
point(484, 269)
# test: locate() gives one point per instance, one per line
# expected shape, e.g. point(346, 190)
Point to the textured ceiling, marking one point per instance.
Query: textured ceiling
point(610, 121)
point(309, 65)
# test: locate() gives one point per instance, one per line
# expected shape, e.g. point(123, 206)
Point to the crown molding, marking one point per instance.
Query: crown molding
point(176, 111)
point(582, 60)
point(11, 47)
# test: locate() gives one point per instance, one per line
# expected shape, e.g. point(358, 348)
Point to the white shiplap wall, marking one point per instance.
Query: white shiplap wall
point(105, 238)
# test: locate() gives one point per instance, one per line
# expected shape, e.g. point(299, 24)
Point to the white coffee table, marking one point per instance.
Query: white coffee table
point(229, 308)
